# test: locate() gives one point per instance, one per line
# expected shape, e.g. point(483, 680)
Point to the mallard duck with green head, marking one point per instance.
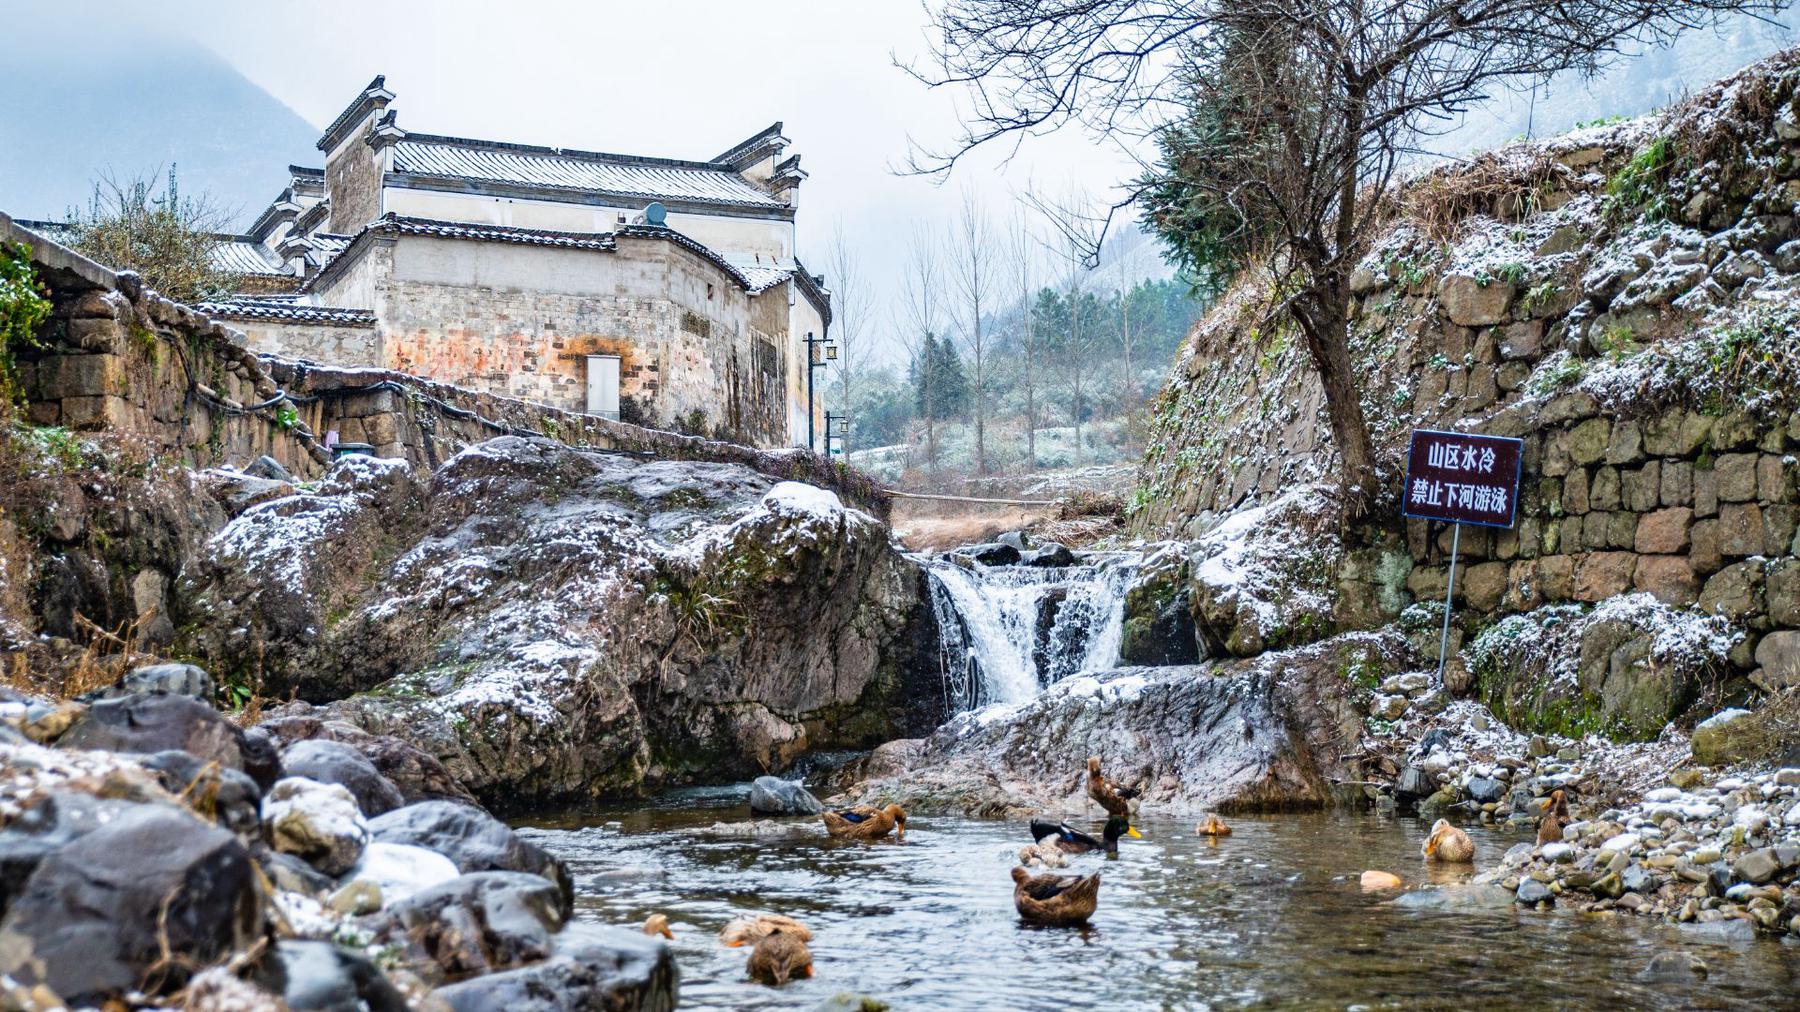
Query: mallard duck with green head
point(1074, 841)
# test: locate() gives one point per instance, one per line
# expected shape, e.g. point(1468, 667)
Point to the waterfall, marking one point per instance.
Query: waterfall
point(1005, 632)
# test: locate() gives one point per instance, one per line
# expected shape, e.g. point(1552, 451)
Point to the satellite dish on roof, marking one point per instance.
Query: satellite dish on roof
point(656, 214)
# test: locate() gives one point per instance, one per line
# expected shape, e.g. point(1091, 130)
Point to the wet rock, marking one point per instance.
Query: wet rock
point(1732, 930)
point(401, 870)
point(1532, 892)
point(993, 554)
point(1485, 789)
point(99, 913)
point(230, 796)
point(1757, 867)
point(775, 796)
point(291, 874)
point(1157, 620)
point(316, 822)
point(1051, 556)
point(324, 977)
point(158, 723)
point(1267, 732)
point(472, 840)
point(1475, 896)
point(473, 924)
point(1674, 968)
point(331, 762)
point(1414, 782)
point(593, 969)
point(175, 679)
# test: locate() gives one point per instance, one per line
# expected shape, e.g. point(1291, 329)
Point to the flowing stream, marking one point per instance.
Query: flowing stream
point(1270, 917)
point(1006, 632)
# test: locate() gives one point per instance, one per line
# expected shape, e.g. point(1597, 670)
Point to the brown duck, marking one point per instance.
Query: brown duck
point(750, 930)
point(1448, 844)
point(779, 957)
point(1556, 816)
point(1055, 900)
point(866, 822)
point(1109, 794)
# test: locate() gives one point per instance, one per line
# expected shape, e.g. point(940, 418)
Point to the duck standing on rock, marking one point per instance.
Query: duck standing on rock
point(1556, 816)
point(1212, 826)
point(1448, 844)
point(1109, 794)
point(779, 957)
point(1074, 841)
point(1055, 900)
point(865, 822)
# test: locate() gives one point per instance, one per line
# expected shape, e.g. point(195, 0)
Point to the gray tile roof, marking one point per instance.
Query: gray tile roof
point(566, 170)
point(285, 311)
point(243, 255)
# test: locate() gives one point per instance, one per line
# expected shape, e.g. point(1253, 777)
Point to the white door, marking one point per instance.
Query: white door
point(603, 386)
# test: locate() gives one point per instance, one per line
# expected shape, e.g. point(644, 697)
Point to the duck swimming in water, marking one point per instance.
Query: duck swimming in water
point(1212, 825)
point(1044, 854)
point(658, 924)
point(1109, 794)
point(1074, 841)
point(1056, 900)
point(866, 822)
point(1448, 844)
point(750, 930)
point(779, 957)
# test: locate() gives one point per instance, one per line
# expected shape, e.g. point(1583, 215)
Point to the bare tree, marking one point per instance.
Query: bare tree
point(169, 238)
point(850, 303)
point(1075, 237)
point(919, 292)
point(1021, 250)
point(974, 281)
point(1316, 103)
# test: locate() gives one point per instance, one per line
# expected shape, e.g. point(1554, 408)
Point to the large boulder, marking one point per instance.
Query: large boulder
point(775, 796)
point(473, 924)
point(400, 870)
point(159, 722)
point(332, 762)
point(1625, 668)
point(1259, 734)
point(416, 774)
point(1262, 579)
point(1158, 619)
point(594, 969)
point(179, 679)
point(99, 916)
point(56, 820)
point(559, 624)
point(472, 840)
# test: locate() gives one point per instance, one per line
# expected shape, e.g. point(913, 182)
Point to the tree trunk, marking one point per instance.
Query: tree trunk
point(1323, 315)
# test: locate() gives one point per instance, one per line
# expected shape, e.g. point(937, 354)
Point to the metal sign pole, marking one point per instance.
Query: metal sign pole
point(1449, 589)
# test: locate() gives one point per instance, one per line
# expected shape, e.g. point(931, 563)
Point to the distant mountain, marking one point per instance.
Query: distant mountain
point(83, 100)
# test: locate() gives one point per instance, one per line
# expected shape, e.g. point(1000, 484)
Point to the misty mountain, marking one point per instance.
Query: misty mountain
point(91, 98)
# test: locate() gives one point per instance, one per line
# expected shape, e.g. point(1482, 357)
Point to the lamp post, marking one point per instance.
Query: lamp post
point(814, 360)
point(837, 426)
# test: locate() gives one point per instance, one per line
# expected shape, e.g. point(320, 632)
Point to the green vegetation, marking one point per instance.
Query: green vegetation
point(1584, 124)
point(1642, 184)
point(1539, 296)
point(23, 309)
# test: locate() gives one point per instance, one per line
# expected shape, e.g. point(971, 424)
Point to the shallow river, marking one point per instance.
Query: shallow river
point(1269, 917)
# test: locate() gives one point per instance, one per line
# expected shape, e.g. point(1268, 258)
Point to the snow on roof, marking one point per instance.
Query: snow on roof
point(243, 255)
point(564, 169)
point(286, 311)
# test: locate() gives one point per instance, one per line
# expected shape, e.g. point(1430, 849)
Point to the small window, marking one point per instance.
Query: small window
point(621, 217)
point(709, 292)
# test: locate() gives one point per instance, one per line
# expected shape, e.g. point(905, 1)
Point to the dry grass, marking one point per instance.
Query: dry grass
point(1508, 185)
point(107, 656)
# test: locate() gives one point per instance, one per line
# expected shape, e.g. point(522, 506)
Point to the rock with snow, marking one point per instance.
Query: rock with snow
point(316, 822)
point(548, 621)
point(775, 796)
point(400, 869)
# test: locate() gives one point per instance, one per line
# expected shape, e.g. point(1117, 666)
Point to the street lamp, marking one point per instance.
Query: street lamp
point(815, 360)
point(837, 426)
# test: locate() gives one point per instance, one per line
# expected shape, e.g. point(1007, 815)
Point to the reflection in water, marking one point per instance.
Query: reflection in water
point(1269, 917)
